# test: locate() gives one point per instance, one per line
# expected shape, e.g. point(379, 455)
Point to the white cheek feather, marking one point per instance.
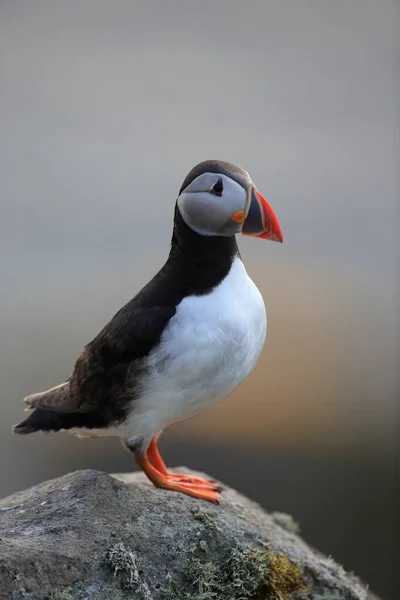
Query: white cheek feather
point(211, 344)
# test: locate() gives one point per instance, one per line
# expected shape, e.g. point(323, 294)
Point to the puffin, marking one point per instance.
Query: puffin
point(184, 342)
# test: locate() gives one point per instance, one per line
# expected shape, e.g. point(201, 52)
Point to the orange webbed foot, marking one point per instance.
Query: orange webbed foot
point(197, 487)
point(200, 482)
point(191, 489)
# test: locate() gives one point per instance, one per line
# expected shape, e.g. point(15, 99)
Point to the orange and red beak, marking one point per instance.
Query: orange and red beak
point(260, 221)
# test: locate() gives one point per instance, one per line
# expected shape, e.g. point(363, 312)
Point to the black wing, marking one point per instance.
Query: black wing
point(100, 373)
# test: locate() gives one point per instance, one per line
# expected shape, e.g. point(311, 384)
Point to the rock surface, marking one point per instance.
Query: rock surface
point(101, 537)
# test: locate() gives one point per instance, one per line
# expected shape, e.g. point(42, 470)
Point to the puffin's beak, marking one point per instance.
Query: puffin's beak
point(260, 221)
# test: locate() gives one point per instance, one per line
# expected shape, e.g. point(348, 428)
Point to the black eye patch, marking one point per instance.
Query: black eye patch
point(218, 188)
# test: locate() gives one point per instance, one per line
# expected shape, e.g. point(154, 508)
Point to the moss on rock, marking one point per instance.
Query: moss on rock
point(122, 561)
point(205, 518)
point(286, 521)
point(245, 574)
point(93, 536)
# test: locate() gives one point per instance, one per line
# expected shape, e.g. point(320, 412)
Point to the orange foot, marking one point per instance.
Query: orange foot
point(155, 469)
point(191, 480)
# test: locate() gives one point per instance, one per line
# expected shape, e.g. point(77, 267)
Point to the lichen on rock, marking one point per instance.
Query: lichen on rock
point(93, 536)
point(122, 562)
point(286, 521)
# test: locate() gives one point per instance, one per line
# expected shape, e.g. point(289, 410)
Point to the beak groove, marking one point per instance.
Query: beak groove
point(261, 220)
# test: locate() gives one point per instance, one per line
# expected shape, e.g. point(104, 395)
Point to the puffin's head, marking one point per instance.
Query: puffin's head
point(219, 198)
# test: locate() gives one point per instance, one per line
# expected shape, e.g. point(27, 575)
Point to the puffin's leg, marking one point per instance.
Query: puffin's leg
point(155, 459)
point(167, 482)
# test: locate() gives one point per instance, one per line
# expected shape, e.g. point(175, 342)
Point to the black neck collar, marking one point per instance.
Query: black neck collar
point(202, 261)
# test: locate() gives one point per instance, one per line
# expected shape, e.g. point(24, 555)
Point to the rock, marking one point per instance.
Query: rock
point(90, 535)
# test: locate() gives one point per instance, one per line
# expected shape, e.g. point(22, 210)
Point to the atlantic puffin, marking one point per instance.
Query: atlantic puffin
point(184, 342)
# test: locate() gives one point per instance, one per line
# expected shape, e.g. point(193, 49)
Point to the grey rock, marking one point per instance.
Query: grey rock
point(90, 535)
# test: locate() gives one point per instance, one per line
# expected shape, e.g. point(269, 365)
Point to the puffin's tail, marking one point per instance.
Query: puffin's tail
point(43, 420)
point(52, 411)
point(56, 399)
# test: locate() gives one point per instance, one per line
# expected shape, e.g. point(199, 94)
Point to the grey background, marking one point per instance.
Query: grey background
point(105, 106)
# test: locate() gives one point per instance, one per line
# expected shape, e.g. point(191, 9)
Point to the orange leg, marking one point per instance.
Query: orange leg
point(155, 459)
point(155, 469)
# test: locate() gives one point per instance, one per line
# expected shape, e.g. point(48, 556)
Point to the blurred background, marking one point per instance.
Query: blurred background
point(105, 106)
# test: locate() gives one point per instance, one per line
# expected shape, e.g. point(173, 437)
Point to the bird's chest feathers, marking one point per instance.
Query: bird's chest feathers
point(210, 345)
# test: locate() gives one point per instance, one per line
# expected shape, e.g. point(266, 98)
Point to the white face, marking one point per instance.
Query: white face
point(213, 204)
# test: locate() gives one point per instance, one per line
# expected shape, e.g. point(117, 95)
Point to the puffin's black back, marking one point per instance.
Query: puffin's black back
point(98, 390)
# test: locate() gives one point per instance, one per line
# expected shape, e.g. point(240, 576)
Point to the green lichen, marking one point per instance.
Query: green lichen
point(67, 593)
point(246, 571)
point(60, 595)
point(171, 590)
point(122, 561)
point(332, 566)
point(203, 546)
point(205, 518)
point(198, 546)
point(286, 521)
point(203, 578)
point(246, 574)
point(144, 592)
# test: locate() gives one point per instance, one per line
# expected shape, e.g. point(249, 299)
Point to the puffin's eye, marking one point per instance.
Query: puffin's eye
point(218, 188)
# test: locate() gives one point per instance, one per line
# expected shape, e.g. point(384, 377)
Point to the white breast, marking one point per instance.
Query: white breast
point(211, 344)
